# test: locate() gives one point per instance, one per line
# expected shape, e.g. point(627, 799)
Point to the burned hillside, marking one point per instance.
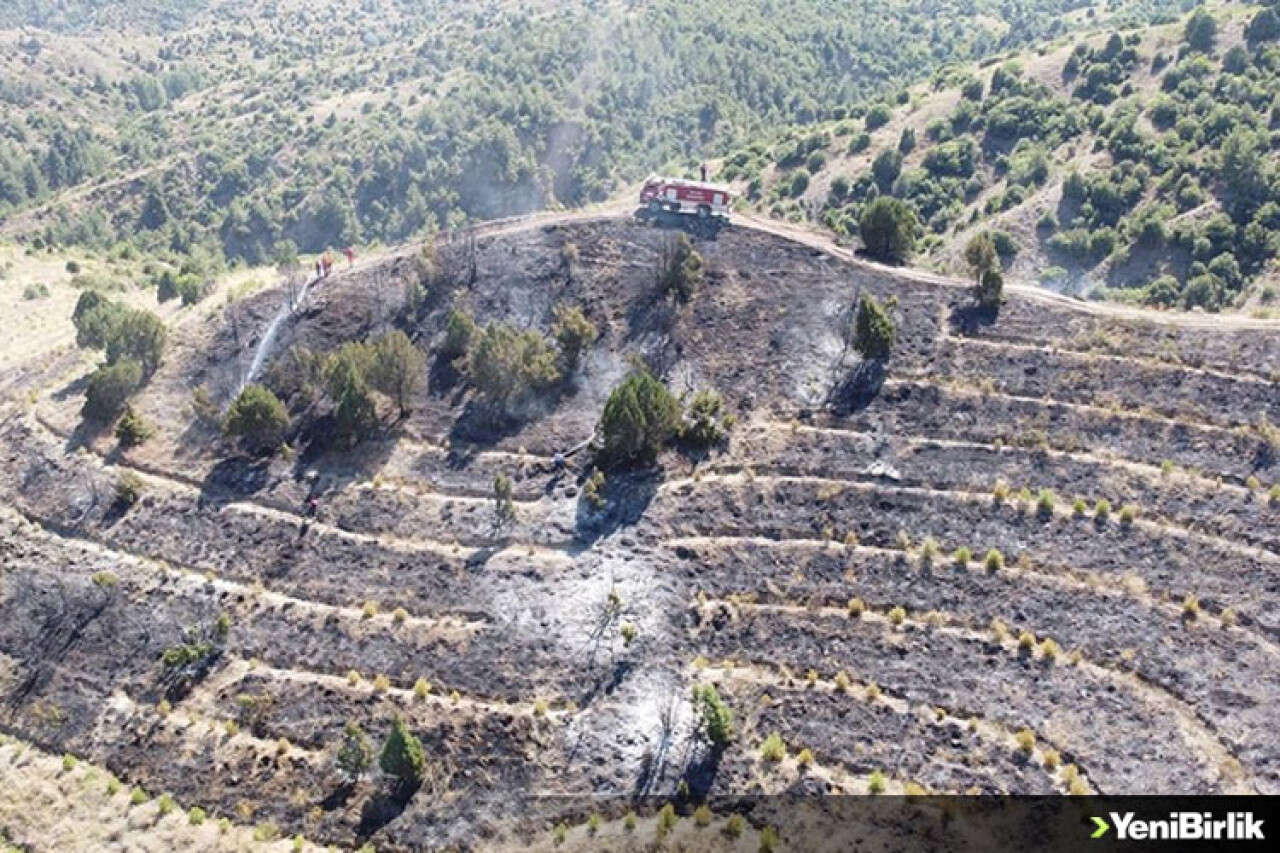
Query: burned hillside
point(1034, 550)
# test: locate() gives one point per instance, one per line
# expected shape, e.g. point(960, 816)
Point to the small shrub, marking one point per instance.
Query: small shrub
point(574, 333)
point(109, 389)
point(1026, 641)
point(714, 717)
point(769, 840)
point(369, 610)
point(876, 783)
point(898, 615)
point(355, 754)
point(705, 421)
point(460, 330)
point(381, 684)
point(421, 688)
point(1102, 510)
point(128, 489)
point(258, 419)
point(402, 755)
point(887, 229)
point(628, 632)
point(132, 430)
point(1190, 607)
point(994, 561)
point(593, 490)
point(165, 804)
point(640, 417)
point(68, 762)
point(874, 332)
point(1044, 504)
point(680, 269)
point(702, 815)
point(963, 557)
point(1026, 741)
point(397, 369)
point(842, 682)
point(560, 833)
point(805, 758)
point(856, 608)
point(1051, 759)
point(197, 816)
point(629, 822)
point(734, 825)
point(667, 818)
point(1079, 508)
point(504, 496)
point(772, 749)
point(137, 797)
point(1128, 513)
point(593, 823)
point(1001, 492)
point(265, 833)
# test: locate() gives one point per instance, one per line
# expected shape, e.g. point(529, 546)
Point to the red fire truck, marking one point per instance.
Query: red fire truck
point(676, 195)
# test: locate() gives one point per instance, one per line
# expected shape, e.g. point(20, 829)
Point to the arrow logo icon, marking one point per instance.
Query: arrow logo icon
point(1103, 826)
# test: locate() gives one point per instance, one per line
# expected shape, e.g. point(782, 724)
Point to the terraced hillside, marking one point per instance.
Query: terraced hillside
point(885, 572)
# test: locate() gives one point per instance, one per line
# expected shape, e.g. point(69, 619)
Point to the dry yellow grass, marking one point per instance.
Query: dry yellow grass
point(44, 807)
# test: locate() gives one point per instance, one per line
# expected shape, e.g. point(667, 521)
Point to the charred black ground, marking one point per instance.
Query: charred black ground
point(808, 568)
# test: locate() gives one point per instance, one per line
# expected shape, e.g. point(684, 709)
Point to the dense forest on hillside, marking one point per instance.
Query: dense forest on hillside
point(1144, 161)
point(249, 128)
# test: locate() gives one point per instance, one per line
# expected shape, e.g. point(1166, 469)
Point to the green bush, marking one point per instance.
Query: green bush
point(1201, 31)
point(714, 717)
point(402, 756)
point(981, 257)
point(873, 329)
point(258, 419)
point(346, 375)
point(639, 417)
point(705, 420)
point(138, 335)
point(574, 333)
point(680, 269)
point(989, 292)
point(109, 389)
point(95, 318)
point(397, 369)
point(504, 496)
point(132, 430)
point(506, 365)
point(460, 329)
point(128, 489)
point(355, 755)
point(887, 229)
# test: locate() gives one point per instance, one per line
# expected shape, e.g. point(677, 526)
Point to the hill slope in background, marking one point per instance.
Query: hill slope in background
point(1131, 164)
point(243, 124)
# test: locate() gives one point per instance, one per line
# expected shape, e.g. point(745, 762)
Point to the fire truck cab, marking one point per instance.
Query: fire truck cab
point(676, 195)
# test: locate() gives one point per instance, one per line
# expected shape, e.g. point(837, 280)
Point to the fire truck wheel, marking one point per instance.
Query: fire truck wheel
point(655, 207)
